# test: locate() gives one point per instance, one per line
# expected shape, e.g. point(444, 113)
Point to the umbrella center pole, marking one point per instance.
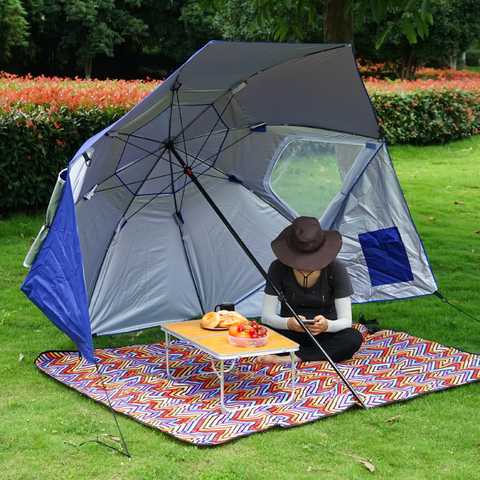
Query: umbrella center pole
point(188, 171)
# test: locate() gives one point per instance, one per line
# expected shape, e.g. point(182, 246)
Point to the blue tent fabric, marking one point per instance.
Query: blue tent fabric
point(386, 257)
point(55, 283)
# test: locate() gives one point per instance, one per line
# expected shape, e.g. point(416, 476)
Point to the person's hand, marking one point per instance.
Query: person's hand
point(292, 324)
point(320, 325)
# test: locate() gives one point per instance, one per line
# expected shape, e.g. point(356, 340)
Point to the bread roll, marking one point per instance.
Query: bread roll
point(229, 318)
point(211, 319)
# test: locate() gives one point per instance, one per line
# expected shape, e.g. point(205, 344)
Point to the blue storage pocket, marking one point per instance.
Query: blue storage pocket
point(386, 257)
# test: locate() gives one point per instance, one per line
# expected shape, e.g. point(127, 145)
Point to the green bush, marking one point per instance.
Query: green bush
point(36, 143)
point(428, 116)
point(472, 57)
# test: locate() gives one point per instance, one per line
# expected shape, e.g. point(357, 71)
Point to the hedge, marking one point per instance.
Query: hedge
point(426, 117)
point(36, 143)
point(43, 122)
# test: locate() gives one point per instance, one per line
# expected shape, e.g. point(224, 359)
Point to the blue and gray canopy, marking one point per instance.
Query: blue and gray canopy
point(271, 131)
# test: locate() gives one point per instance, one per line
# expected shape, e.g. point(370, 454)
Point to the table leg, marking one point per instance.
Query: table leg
point(230, 368)
point(224, 409)
point(292, 397)
point(167, 359)
point(222, 388)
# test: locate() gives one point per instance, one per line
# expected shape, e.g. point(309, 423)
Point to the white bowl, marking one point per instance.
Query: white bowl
point(247, 342)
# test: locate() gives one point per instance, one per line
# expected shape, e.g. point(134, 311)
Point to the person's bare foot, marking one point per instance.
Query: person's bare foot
point(275, 359)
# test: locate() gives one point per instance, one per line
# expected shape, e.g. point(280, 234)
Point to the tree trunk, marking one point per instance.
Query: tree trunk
point(337, 27)
point(87, 67)
point(451, 59)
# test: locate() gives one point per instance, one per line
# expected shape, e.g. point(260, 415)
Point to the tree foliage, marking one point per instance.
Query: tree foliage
point(455, 29)
point(415, 15)
point(13, 27)
point(138, 38)
point(177, 28)
point(236, 21)
point(63, 37)
point(93, 27)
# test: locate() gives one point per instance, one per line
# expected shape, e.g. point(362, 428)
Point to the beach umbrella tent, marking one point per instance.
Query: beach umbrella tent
point(258, 132)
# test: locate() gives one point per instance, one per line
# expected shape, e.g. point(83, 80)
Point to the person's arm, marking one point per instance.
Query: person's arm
point(269, 313)
point(343, 307)
point(270, 317)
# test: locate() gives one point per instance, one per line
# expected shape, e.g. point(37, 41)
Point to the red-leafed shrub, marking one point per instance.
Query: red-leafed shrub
point(44, 121)
point(64, 92)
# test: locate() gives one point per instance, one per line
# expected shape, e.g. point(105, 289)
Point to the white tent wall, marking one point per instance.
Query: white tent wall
point(160, 269)
point(97, 220)
point(134, 288)
point(232, 277)
point(376, 203)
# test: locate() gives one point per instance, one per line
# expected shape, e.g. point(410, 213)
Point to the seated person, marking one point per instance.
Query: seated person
point(317, 286)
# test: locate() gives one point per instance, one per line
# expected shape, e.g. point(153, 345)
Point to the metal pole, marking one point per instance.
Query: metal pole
point(249, 254)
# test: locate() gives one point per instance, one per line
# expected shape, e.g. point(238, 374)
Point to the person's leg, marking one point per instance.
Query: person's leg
point(338, 346)
point(298, 337)
point(275, 359)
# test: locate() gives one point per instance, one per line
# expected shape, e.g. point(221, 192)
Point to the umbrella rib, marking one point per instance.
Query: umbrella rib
point(134, 182)
point(155, 196)
point(157, 154)
point(183, 191)
point(199, 114)
point(189, 263)
point(176, 96)
point(196, 160)
point(219, 115)
point(207, 137)
point(151, 200)
point(204, 161)
point(182, 129)
point(172, 181)
point(162, 150)
point(160, 142)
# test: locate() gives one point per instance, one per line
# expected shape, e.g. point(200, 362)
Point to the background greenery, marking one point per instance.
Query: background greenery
point(40, 135)
point(34, 151)
point(133, 39)
point(436, 436)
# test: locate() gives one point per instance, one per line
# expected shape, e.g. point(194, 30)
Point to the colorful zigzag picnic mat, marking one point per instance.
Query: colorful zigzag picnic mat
point(390, 367)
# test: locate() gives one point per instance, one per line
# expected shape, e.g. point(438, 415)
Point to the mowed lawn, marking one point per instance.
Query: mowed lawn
point(44, 425)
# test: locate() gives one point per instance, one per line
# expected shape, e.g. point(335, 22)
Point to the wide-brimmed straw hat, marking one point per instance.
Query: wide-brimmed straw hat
point(304, 245)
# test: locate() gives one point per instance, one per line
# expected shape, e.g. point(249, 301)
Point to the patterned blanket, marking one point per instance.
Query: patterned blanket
point(390, 367)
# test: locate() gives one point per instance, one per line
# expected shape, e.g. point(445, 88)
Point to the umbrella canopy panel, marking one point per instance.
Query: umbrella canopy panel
point(162, 267)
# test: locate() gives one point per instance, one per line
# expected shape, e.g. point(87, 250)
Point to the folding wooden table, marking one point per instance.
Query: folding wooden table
point(216, 344)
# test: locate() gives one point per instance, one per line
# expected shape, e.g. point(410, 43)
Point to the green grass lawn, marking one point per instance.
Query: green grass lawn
point(436, 436)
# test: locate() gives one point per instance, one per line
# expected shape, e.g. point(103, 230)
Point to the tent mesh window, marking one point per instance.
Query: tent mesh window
point(309, 174)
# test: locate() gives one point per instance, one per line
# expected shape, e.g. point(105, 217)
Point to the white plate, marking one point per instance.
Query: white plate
point(218, 329)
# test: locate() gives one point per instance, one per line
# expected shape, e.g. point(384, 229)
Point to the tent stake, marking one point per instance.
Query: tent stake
point(188, 171)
